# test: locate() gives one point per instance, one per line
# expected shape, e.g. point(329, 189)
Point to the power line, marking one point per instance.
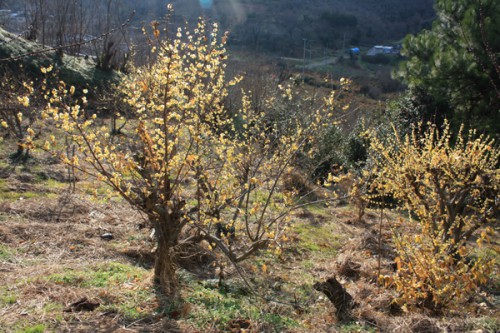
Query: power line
point(51, 49)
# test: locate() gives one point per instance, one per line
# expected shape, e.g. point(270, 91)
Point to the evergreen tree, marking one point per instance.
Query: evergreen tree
point(458, 61)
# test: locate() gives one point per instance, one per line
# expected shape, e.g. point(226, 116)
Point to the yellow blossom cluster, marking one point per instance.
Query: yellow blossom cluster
point(450, 189)
point(184, 158)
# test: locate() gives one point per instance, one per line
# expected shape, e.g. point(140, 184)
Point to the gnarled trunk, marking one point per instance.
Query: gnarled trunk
point(167, 236)
point(165, 276)
point(21, 155)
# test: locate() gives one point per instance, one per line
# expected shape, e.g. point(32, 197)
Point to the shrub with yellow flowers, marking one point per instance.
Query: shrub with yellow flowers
point(449, 188)
point(192, 167)
point(17, 116)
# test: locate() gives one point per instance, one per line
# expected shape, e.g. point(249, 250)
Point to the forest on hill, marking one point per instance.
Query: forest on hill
point(263, 26)
point(281, 26)
point(249, 166)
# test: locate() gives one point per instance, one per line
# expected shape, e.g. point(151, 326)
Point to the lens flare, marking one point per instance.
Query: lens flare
point(206, 4)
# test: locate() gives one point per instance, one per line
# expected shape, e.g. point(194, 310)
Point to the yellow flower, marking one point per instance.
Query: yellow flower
point(46, 70)
point(25, 101)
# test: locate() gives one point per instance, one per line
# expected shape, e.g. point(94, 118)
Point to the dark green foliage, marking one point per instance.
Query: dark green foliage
point(355, 150)
point(340, 19)
point(382, 59)
point(458, 61)
point(339, 150)
point(415, 106)
point(330, 155)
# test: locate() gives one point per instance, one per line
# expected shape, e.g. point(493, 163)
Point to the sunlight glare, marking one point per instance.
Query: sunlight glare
point(206, 4)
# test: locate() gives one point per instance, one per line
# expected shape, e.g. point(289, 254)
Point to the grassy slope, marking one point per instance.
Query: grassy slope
point(73, 70)
point(51, 255)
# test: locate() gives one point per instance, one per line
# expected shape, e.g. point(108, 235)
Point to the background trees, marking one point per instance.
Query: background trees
point(94, 28)
point(276, 26)
point(458, 62)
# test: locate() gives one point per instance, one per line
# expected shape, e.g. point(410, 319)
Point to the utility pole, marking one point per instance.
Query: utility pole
point(304, 58)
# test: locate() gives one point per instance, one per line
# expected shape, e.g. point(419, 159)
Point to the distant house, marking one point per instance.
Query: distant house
point(381, 49)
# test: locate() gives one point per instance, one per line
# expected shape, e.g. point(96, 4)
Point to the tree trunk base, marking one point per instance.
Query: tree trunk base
point(20, 156)
point(165, 276)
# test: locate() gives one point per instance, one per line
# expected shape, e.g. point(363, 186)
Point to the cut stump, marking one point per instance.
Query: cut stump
point(340, 298)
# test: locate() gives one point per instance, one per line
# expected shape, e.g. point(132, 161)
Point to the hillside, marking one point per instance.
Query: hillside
point(272, 181)
point(280, 26)
point(277, 26)
point(61, 273)
point(78, 71)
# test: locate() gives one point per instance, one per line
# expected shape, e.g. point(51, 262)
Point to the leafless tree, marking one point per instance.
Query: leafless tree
point(60, 11)
point(36, 19)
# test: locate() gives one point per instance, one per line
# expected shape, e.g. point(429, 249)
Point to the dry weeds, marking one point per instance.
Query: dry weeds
point(47, 239)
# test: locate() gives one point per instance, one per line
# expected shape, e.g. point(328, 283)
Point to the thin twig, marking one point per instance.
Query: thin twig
point(51, 49)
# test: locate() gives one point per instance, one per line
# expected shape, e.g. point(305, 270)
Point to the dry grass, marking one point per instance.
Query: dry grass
point(52, 255)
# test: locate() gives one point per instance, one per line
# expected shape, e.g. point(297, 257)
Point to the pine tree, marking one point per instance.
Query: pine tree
point(458, 61)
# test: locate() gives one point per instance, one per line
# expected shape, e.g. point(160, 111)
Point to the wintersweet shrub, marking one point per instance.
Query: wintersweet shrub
point(450, 191)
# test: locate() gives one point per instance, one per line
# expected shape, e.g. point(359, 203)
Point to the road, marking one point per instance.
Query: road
point(314, 64)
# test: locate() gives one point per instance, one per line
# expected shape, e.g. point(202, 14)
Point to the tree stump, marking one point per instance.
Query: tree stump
point(337, 294)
